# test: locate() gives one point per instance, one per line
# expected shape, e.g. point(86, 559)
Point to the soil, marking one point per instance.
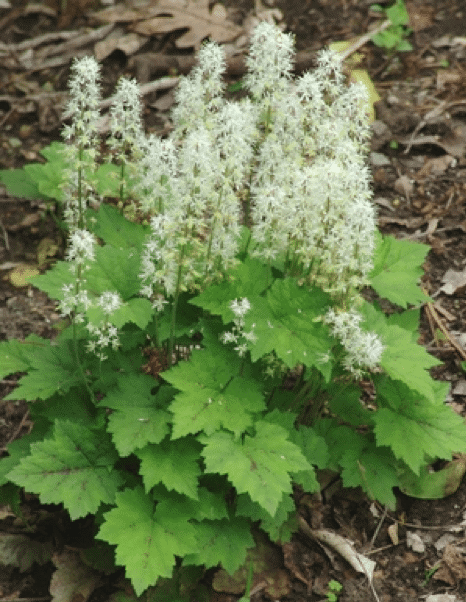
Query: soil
point(419, 172)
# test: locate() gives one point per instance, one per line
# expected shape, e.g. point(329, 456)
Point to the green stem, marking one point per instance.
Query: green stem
point(79, 364)
point(122, 181)
point(212, 230)
point(171, 341)
point(80, 185)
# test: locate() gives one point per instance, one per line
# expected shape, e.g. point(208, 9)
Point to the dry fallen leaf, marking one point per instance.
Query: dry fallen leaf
point(393, 534)
point(453, 282)
point(21, 273)
point(72, 580)
point(45, 249)
point(414, 541)
point(22, 551)
point(442, 598)
point(342, 546)
point(453, 569)
point(128, 43)
point(170, 15)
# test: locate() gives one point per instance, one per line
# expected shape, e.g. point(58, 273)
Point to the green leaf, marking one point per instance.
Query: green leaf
point(289, 323)
point(212, 393)
point(430, 485)
point(224, 541)
point(402, 359)
point(260, 465)
point(420, 434)
point(138, 418)
point(147, 538)
point(19, 449)
point(118, 231)
point(208, 505)
point(397, 13)
point(54, 152)
point(74, 468)
point(53, 280)
point(114, 269)
point(173, 463)
point(187, 317)
point(409, 320)
point(133, 428)
point(404, 45)
point(136, 310)
point(49, 179)
point(315, 450)
point(373, 469)
point(249, 279)
point(280, 527)
point(52, 370)
point(345, 402)
point(407, 361)
point(20, 184)
point(16, 356)
point(107, 182)
point(284, 419)
point(397, 270)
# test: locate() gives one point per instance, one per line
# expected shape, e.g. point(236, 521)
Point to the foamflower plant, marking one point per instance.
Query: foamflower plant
point(217, 339)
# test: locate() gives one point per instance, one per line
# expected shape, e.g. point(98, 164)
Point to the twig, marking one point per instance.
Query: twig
point(433, 316)
point(5, 236)
point(38, 41)
point(363, 40)
point(66, 50)
point(423, 527)
point(383, 548)
point(43, 599)
point(17, 430)
point(376, 532)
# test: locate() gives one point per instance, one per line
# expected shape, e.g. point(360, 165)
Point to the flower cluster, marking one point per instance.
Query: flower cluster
point(83, 136)
point(238, 334)
point(126, 129)
point(295, 151)
point(82, 154)
point(80, 255)
point(289, 161)
point(363, 349)
point(104, 333)
point(310, 192)
point(191, 182)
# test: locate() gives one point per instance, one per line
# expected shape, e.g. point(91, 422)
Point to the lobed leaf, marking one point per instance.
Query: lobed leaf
point(289, 323)
point(374, 470)
point(213, 394)
point(249, 279)
point(75, 468)
point(397, 270)
point(50, 371)
point(138, 417)
point(279, 527)
point(147, 538)
point(116, 230)
point(260, 465)
point(222, 542)
point(417, 435)
point(173, 463)
point(403, 359)
point(17, 356)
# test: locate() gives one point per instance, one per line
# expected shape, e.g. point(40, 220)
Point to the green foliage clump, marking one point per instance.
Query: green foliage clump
point(394, 37)
point(217, 340)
